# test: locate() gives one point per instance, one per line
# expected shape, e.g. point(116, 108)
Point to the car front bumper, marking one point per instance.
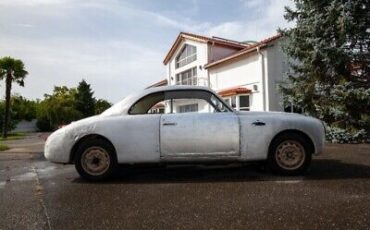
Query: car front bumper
point(58, 147)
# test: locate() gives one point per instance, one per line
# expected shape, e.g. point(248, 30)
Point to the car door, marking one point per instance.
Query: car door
point(135, 137)
point(199, 135)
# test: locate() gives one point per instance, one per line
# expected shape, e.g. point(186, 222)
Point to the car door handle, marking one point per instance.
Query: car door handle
point(259, 123)
point(169, 123)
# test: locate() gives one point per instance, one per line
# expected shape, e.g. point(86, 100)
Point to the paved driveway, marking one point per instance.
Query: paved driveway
point(335, 194)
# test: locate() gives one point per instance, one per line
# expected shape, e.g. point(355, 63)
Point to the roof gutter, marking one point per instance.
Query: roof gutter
point(239, 54)
point(211, 56)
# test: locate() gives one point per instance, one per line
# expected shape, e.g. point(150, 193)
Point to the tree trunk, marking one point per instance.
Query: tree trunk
point(7, 103)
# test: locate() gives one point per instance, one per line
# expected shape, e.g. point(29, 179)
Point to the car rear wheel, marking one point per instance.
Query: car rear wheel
point(95, 160)
point(289, 154)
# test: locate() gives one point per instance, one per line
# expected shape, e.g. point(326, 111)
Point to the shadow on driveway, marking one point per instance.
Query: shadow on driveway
point(321, 169)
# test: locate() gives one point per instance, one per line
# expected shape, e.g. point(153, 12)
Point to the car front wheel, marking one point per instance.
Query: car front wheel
point(95, 160)
point(289, 154)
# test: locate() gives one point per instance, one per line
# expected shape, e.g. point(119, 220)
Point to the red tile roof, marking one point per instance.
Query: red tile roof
point(158, 106)
point(233, 91)
point(247, 50)
point(195, 37)
point(157, 84)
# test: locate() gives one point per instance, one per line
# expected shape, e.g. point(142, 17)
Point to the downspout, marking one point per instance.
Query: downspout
point(263, 78)
point(209, 79)
point(209, 58)
point(169, 73)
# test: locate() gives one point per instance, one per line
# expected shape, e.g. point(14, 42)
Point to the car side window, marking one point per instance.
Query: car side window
point(192, 101)
point(182, 105)
point(179, 101)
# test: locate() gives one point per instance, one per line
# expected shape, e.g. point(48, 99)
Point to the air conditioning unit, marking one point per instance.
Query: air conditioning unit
point(255, 88)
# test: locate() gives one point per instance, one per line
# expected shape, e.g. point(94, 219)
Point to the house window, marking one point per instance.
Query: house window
point(188, 108)
point(188, 77)
point(244, 102)
point(227, 100)
point(233, 102)
point(157, 109)
point(187, 55)
point(239, 102)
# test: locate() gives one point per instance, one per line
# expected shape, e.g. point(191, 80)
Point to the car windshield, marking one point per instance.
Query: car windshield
point(117, 108)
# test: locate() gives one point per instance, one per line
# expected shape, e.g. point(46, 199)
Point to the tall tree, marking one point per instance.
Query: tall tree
point(57, 109)
point(22, 108)
point(101, 105)
point(12, 122)
point(85, 102)
point(329, 49)
point(13, 71)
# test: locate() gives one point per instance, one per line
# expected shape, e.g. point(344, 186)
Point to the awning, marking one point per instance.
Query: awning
point(158, 106)
point(233, 91)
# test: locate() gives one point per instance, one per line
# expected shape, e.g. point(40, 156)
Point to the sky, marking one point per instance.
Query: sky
point(118, 46)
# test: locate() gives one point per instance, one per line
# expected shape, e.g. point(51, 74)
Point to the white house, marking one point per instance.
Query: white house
point(245, 74)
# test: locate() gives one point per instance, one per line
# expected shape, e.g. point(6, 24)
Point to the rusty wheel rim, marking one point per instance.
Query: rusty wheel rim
point(95, 161)
point(290, 155)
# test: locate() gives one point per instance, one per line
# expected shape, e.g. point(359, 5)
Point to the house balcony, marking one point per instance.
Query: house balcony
point(197, 81)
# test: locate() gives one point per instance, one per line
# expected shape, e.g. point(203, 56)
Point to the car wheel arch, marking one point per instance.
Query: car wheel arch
point(297, 132)
point(83, 139)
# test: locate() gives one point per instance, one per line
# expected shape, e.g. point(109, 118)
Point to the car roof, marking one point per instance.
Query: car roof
point(124, 105)
point(175, 87)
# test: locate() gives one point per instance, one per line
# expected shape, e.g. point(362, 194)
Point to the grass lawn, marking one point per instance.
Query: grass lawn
point(13, 136)
point(3, 147)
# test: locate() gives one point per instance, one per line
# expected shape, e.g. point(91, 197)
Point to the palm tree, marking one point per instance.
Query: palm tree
point(12, 70)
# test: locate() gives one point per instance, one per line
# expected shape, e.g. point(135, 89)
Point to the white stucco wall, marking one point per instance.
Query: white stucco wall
point(244, 72)
point(26, 126)
point(241, 72)
point(277, 67)
point(247, 71)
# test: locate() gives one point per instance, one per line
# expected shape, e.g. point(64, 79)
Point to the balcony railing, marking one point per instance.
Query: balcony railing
point(193, 81)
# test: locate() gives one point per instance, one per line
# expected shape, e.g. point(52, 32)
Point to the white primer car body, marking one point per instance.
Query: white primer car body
point(153, 138)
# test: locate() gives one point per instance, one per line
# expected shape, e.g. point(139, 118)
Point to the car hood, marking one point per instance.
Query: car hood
point(86, 124)
point(83, 121)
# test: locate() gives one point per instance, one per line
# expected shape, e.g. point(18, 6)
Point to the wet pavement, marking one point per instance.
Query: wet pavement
point(334, 194)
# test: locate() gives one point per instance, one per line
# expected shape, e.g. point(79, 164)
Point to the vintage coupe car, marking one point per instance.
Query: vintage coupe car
point(192, 125)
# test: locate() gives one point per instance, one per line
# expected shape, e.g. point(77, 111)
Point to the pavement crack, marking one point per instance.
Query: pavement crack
point(39, 193)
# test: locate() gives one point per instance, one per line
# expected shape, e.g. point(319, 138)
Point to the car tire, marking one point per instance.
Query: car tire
point(95, 160)
point(289, 154)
